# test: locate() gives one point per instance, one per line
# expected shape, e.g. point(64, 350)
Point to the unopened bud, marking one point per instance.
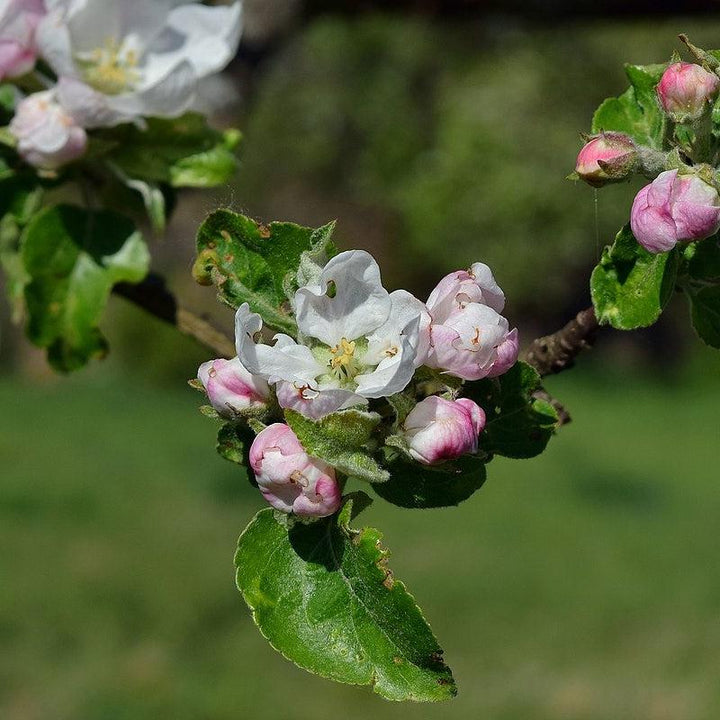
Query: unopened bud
point(609, 157)
point(231, 389)
point(289, 479)
point(674, 208)
point(437, 429)
point(47, 137)
point(686, 90)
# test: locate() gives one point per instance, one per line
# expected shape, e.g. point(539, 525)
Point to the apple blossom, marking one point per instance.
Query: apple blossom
point(468, 336)
point(437, 429)
point(674, 208)
point(120, 61)
point(18, 22)
point(606, 158)
point(289, 479)
point(358, 341)
point(231, 389)
point(686, 90)
point(47, 137)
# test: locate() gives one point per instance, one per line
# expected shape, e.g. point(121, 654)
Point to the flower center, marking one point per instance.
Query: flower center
point(111, 69)
point(343, 363)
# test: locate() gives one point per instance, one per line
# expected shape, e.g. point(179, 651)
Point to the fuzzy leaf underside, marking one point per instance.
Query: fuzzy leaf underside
point(251, 263)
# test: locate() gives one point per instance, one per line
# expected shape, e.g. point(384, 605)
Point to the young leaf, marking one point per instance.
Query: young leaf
point(251, 263)
point(518, 425)
point(636, 112)
point(74, 258)
point(323, 596)
point(703, 259)
point(342, 439)
point(184, 152)
point(630, 286)
point(412, 485)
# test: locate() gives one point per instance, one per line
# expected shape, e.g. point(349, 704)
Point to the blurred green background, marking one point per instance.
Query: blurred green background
point(582, 585)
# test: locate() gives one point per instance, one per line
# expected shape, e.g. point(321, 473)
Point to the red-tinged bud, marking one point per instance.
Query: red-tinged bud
point(686, 90)
point(609, 157)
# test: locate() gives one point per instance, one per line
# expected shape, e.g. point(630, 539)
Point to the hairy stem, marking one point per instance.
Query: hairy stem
point(153, 296)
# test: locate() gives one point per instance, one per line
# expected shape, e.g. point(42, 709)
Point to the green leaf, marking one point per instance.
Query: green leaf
point(210, 168)
point(184, 152)
point(705, 311)
point(74, 258)
point(323, 596)
point(518, 425)
point(631, 286)
point(636, 112)
point(20, 198)
point(703, 259)
point(343, 439)
point(412, 485)
point(251, 263)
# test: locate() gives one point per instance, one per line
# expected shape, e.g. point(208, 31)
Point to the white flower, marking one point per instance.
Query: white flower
point(358, 340)
point(120, 60)
point(47, 137)
point(18, 20)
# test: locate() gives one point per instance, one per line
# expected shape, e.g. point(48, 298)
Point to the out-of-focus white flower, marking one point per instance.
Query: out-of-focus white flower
point(360, 341)
point(18, 21)
point(47, 137)
point(120, 60)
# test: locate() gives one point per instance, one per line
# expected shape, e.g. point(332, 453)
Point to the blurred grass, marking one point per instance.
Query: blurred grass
point(580, 585)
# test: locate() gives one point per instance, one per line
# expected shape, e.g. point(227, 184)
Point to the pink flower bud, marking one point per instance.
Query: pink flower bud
point(609, 157)
point(674, 208)
point(18, 21)
point(47, 136)
point(465, 286)
point(439, 430)
point(231, 388)
point(468, 336)
point(685, 90)
point(289, 479)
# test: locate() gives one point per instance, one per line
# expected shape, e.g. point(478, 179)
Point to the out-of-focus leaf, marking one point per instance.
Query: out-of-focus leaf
point(74, 257)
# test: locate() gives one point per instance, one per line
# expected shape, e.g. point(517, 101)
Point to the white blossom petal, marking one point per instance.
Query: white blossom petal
point(358, 306)
point(285, 360)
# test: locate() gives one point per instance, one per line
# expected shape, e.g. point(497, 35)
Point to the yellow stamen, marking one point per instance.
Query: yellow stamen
point(343, 360)
point(109, 69)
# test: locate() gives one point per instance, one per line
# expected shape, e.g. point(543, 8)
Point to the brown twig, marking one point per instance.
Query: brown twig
point(153, 296)
point(554, 353)
point(557, 352)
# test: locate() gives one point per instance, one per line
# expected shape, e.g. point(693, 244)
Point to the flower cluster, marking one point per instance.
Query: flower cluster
point(111, 62)
point(356, 344)
point(682, 203)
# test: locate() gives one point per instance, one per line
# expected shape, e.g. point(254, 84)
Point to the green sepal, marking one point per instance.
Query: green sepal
point(518, 424)
point(636, 112)
point(343, 439)
point(416, 486)
point(74, 257)
point(251, 263)
point(631, 286)
point(324, 596)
